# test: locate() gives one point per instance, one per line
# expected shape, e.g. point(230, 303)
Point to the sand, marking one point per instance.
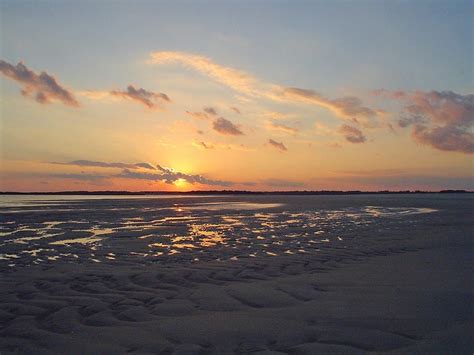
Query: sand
point(410, 295)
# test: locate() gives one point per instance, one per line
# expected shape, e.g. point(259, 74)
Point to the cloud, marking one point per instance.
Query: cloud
point(274, 115)
point(205, 115)
point(235, 79)
point(170, 176)
point(277, 145)
point(136, 171)
point(236, 110)
point(408, 121)
point(222, 146)
point(81, 176)
point(210, 110)
point(226, 127)
point(94, 94)
point(440, 119)
point(352, 134)
point(277, 126)
point(203, 145)
point(345, 107)
point(148, 98)
point(198, 115)
point(44, 86)
point(145, 166)
point(99, 164)
point(447, 138)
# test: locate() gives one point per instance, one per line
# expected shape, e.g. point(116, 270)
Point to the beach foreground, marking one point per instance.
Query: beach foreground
point(300, 275)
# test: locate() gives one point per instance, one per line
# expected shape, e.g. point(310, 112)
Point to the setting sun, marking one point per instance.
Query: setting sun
point(181, 183)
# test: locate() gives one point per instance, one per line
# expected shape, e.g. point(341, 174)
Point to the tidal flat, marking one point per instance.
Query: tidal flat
point(236, 274)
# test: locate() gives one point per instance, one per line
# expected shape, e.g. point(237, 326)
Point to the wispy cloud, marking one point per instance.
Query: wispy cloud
point(235, 79)
point(345, 107)
point(224, 126)
point(148, 98)
point(352, 134)
point(199, 115)
point(442, 120)
point(81, 176)
point(278, 145)
point(348, 107)
point(235, 109)
point(44, 86)
point(100, 164)
point(280, 127)
point(221, 146)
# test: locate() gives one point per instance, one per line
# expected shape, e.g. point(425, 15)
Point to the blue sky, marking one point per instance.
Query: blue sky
point(330, 44)
point(337, 49)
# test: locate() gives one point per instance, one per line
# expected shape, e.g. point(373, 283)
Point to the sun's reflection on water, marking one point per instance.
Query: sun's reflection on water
point(214, 230)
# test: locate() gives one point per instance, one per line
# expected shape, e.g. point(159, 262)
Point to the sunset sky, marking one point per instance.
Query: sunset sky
point(254, 95)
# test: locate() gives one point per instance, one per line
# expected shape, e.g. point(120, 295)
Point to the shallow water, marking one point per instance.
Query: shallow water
point(113, 229)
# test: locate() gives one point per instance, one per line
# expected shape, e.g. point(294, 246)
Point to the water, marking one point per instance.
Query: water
point(43, 230)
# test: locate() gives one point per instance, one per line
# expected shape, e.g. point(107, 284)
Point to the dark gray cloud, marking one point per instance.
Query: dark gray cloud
point(440, 119)
point(210, 111)
point(352, 134)
point(277, 145)
point(44, 86)
point(148, 98)
point(226, 127)
point(100, 164)
point(170, 176)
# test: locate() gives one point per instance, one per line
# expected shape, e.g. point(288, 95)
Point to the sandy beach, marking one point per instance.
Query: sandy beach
point(386, 275)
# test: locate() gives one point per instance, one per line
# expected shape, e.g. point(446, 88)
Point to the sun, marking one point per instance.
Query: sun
point(181, 183)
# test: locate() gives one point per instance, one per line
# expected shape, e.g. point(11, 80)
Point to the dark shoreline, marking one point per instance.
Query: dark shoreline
point(234, 192)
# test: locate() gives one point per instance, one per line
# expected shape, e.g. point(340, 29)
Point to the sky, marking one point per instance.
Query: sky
point(236, 95)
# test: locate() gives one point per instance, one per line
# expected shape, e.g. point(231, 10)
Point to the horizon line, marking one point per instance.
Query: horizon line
point(232, 192)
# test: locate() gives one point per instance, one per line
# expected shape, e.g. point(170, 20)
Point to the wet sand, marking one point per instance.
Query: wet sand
point(397, 286)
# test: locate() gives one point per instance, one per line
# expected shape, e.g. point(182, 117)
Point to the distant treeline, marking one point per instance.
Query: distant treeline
point(232, 192)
